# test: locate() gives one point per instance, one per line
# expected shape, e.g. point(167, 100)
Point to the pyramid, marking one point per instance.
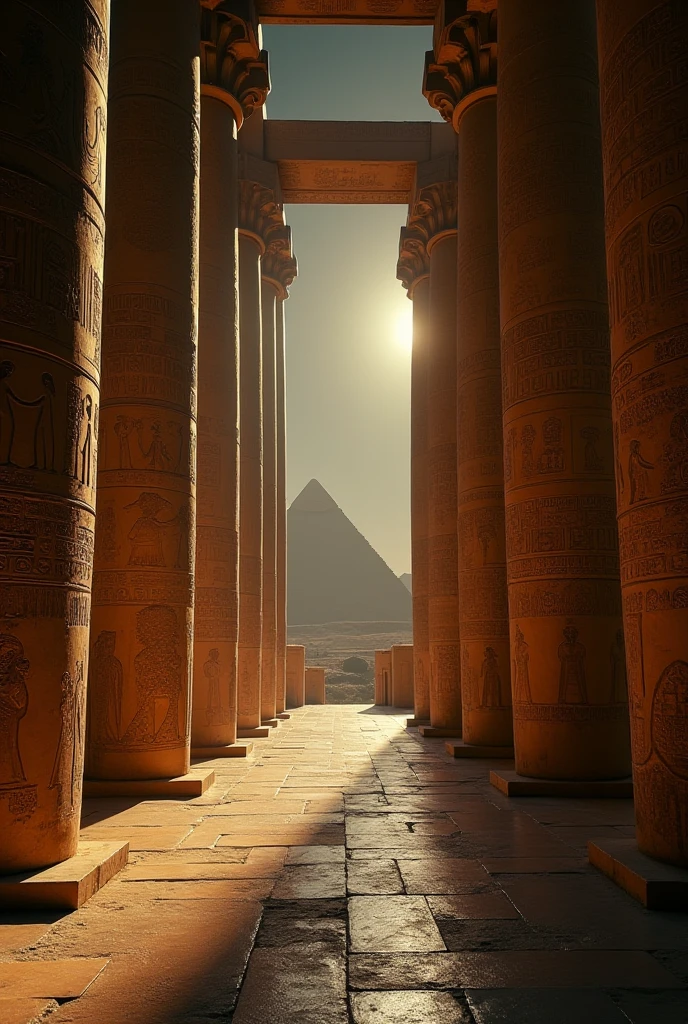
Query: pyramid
point(333, 573)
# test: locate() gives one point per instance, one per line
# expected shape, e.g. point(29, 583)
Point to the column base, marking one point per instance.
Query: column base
point(511, 784)
point(458, 748)
point(413, 723)
point(230, 750)
point(435, 731)
point(656, 885)
point(66, 886)
point(261, 732)
point(194, 784)
point(283, 716)
point(271, 722)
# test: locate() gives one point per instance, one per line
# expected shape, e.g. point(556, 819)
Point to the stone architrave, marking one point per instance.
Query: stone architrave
point(268, 672)
point(433, 217)
point(402, 675)
point(383, 678)
point(315, 686)
point(52, 181)
point(570, 718)
point(461, 81)
point(278, 272)
point(234, 81)
point(646, 185)
point(413, 270)
point(142, 624)
point(296, 676)
point(259, 216)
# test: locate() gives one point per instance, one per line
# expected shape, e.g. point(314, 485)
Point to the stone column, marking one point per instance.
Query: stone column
point(52, 180)
point(259, 215)
point(233, 82)
point(142, 623)
point(296, 676)
point(268, 677)
point(432, 219)
point(402, 675)
point(413, 271)
point(315, 686)
point(465, 93)
point(570, 707)
point(279, 270)
point(383, 677)
point(646, 181)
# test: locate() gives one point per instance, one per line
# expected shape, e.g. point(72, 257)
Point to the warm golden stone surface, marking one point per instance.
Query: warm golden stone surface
point(52, 184)
point(296, 676)
point(646, 183)
point(268, 684)
point(568, 675)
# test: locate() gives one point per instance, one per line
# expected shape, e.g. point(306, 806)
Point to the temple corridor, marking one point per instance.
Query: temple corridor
point(344, 860)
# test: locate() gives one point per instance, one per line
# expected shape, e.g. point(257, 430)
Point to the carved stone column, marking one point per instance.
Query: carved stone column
point(413, 270)
point(259, 214)
point(234, 80)
point(52, 180)
point(433, 218)
point(268, 675)
point(461, 81)
point(279, 270)
point(570, 706)
point(142, 624)
point(646, 181)
point(296, 676)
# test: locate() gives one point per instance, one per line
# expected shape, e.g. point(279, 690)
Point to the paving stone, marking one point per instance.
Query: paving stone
point(53, 979)
point(654, 1007)
point(16, 931)
point(387, 923)
point(218, 889)
point(316, 855)
point(311, 881)
point(474, 906)
point(316, 923)
point(511, 969)
point(407, 1008)
point(535, 865)
point(373, 878)
point(567, 1006)
point(445, 876)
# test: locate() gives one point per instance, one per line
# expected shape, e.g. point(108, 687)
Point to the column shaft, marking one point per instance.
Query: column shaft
point(443, 593)
point(570, 721)
point(268, 691)
point(296, 676)
point(52, 177)
point(484, 615)
point(281, 677)
point(250, 483)
point(419, 499)
point(216, 616)
point(142, 626)
point(644, 106)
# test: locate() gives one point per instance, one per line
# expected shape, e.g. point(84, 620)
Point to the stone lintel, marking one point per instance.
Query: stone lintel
point(511, 784)
point(195, 783)
point(229, 750)
point(68, 885)
point(352, 161)
point(656, 885)
point(458, 748)
point(346, 12)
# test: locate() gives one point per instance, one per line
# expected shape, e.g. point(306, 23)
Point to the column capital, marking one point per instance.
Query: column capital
point(261, 214)
point(413, 263)
point(462, 64)
point(234, 69)
point(434, 206)
point(279, 264)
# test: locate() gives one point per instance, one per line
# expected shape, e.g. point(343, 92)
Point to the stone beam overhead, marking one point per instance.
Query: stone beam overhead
point(352, 162)
point(347, 12)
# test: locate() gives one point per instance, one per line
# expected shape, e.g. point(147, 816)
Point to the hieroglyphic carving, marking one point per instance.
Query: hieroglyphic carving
point(68, 767)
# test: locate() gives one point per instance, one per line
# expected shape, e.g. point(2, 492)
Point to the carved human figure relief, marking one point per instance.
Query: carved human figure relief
point(552, 458)
point(107, 689)
point(521, 668)
point(572, 684)
point(675, 455)
point(158, 678)
point(14, 702)
point(491, 696)
point(638, 473)
point(593, 460)
point(68, 766)
point(148, 532)
point(27, 425)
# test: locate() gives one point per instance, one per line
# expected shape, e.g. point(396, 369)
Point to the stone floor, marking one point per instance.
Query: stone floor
point(350, 871)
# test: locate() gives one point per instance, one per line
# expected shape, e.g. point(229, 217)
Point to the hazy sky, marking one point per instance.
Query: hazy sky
point(348, 318)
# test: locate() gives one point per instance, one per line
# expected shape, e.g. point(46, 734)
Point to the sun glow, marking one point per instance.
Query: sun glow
point(403, 327)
